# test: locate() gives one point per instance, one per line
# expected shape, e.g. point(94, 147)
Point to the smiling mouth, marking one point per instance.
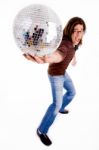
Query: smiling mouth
point(77, 40)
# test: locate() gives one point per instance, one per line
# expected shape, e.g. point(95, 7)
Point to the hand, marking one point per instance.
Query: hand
point(74, 63)
point(37, 59)
point(29, 57)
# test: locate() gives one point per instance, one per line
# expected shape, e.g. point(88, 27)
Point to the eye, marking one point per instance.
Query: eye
point(77, 31)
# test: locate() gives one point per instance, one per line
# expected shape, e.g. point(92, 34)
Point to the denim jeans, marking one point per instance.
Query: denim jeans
point(60, 101)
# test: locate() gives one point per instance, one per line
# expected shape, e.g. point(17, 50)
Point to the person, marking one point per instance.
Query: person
point(58, 76)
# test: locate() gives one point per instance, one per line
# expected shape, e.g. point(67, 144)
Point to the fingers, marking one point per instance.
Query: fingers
point(29, 57)
point(37, 59)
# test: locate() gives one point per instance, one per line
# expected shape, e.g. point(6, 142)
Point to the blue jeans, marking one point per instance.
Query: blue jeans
point(60, 101)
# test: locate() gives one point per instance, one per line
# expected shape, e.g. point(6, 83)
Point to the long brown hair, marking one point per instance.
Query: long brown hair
point(69, 28)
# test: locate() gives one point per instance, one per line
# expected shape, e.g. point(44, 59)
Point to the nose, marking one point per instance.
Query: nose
point(79, 35)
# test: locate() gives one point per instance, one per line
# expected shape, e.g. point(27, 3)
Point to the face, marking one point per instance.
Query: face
point(77, 35)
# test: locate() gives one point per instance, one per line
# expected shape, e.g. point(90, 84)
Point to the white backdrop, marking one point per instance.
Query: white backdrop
point(25, 90)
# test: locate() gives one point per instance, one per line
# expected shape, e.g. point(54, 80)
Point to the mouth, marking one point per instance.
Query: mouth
point(77, 41)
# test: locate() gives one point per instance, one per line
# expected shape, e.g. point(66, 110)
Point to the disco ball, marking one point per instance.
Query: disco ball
point(37, 30)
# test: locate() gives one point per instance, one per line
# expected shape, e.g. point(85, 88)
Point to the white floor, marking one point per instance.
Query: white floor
point(25, 90)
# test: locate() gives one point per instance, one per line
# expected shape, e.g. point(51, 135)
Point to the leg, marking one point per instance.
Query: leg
point(70, 92)
point(53, 109)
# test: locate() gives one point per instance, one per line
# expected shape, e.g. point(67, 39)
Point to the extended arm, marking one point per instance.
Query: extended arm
point(53, 58)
